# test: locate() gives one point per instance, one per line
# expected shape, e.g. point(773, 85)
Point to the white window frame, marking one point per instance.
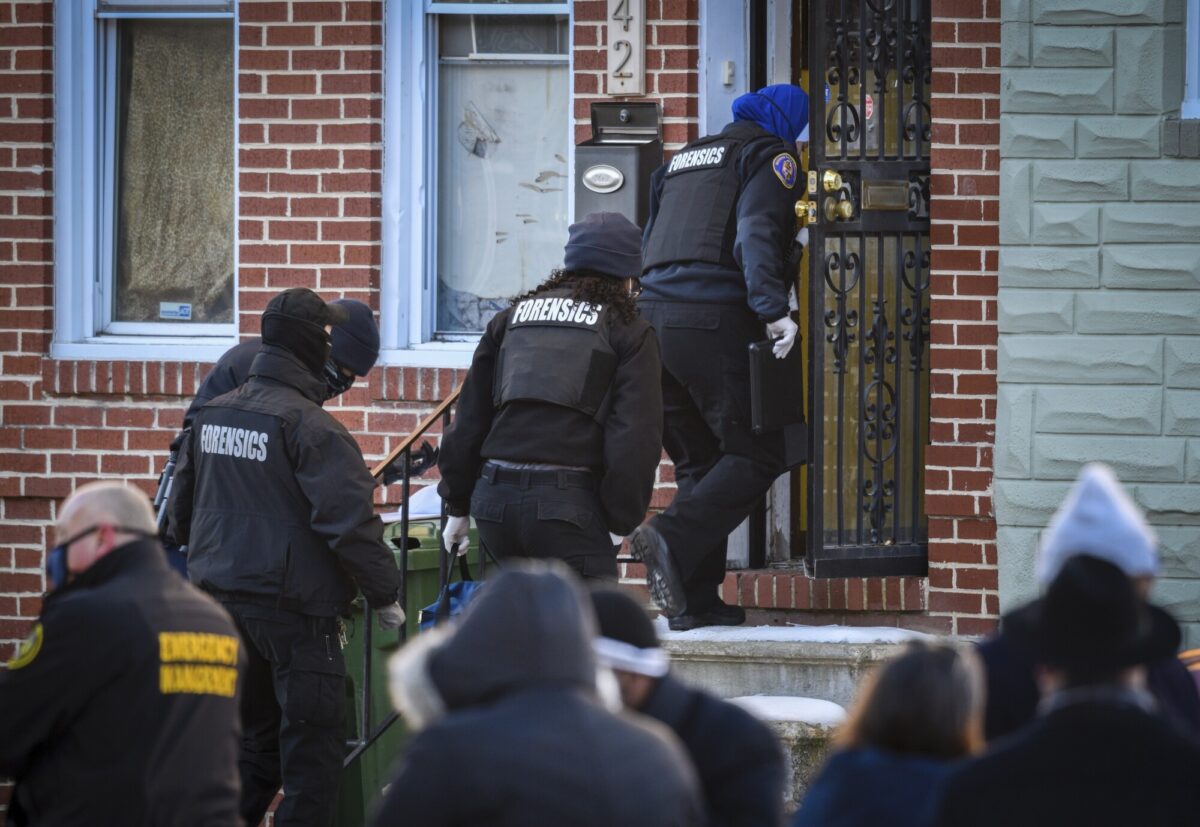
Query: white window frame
point(409, 257)
point(1191, 86)
point(84, 168)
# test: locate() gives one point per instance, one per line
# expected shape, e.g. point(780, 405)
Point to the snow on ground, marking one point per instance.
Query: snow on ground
point(781, 708)
point(792, 633)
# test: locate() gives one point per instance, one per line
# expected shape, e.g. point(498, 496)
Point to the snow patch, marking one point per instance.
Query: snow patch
point(792, 634)
point(790, 708)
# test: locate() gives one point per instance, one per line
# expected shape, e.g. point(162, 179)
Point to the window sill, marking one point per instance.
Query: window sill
point(143, 349)
point(455, 355)
point(1181, 137)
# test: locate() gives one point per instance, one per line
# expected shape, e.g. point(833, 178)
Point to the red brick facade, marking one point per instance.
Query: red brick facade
point(310, 159)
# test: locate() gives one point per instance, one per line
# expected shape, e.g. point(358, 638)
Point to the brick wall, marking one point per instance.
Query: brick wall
point(672, 60)
point(27, 445)
point(963, 576)
point(309, 214)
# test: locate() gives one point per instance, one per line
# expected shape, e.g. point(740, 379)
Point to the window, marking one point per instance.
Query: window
point(1191, 91)
point(145, 219)
point(487, 183)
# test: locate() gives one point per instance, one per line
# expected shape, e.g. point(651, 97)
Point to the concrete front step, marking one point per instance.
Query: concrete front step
point(804, 727)
point(823, 662)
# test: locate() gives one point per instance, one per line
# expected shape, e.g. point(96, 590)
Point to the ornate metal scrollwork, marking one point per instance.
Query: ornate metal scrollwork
point(841, 321)
point(916, 317)
point(917, 121)
point(881, 38)
point(918, 196)
point(879, 412)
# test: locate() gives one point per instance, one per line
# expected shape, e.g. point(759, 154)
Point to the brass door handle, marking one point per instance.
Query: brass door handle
point(831, 181)
point(806, 211)
point(836, 210)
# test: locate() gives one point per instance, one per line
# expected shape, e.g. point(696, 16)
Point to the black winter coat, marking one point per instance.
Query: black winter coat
point(86, 728)
point(274, 501)
point(1091, 764)
point(737, 756)
point(229, 373)
point(1012, 693)
point(624, 452)
point(764, 225)
point(524, 740)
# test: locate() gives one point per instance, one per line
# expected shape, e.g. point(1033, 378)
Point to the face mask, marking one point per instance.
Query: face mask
point(336, 382)
point(57, 569)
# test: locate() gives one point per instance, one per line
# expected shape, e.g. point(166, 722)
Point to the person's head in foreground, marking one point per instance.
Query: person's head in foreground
point(781, 109)
point(628, 645)
point(928, 701)
point(1093, 629)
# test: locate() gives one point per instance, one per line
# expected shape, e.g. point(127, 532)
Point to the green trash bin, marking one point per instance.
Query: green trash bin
point(364, 779)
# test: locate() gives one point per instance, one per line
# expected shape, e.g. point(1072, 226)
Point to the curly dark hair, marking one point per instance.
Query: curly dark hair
point(589, 287)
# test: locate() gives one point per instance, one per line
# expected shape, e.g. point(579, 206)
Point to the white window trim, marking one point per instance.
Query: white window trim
point(409, 171)
point(79, 184)
point(1191, 88)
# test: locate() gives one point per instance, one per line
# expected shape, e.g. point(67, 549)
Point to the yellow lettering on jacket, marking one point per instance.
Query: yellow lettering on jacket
point(196, 679)
point(197, 647)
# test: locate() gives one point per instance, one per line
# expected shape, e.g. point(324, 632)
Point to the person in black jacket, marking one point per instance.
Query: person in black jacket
point(511, 729)
point(557, 435)
point(120, 708)
point(737, 757)
point(716, 277)
point(1097, 518)
point(353, 352)
point(1097, 754)
point(274, 502)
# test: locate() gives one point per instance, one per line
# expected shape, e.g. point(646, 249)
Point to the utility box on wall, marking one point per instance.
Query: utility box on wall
point(613, 167)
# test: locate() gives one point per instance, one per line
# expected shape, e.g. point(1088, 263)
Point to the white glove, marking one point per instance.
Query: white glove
point(617, 539)
point(457, 529)
point(783, 331)
point(802, 237)
point(390, 617)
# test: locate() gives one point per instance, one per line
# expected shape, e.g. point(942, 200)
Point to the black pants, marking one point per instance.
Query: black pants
point(722, 469)
point(544, 514)
point(293, 708)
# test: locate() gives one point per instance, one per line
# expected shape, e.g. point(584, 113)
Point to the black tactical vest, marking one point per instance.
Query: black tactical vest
point(556, 350)
point(697, 209)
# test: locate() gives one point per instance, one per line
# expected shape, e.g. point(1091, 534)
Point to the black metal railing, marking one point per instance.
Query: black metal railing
point(398, 462)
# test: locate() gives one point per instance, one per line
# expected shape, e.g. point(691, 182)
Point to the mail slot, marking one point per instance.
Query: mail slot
point(613, 167)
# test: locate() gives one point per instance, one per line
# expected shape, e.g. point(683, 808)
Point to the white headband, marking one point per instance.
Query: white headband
point(616, 654)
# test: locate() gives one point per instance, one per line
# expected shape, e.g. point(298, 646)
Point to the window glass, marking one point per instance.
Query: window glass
point(174, 220)
point(503, 131)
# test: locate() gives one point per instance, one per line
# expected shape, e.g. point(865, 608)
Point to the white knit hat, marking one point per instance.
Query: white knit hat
point(1098, 518)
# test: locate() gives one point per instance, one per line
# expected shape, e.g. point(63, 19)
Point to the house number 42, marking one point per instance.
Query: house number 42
point(626, 47)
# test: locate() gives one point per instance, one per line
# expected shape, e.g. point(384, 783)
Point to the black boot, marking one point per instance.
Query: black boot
point(662, 575)
point(718, 614)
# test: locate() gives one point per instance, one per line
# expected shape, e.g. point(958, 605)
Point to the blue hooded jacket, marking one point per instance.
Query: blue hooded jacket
point(781, 109)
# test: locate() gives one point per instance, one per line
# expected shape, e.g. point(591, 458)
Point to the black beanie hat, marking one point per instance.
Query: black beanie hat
point(295, 320)
point(627, 640)
point(607, 243)
point(356, 340)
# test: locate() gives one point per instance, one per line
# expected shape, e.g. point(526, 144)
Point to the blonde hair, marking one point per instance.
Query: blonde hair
point(109, 500)
point(926, 701)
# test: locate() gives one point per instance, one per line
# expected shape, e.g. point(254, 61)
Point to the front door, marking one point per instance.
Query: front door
point(867, 204)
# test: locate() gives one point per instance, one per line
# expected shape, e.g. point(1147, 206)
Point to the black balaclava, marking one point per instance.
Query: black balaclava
point(295, 320)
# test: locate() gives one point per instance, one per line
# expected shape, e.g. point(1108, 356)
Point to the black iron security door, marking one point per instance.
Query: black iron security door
point(867, 205)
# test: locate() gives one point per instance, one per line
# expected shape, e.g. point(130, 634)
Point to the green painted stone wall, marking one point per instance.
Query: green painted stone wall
point(1099, 305)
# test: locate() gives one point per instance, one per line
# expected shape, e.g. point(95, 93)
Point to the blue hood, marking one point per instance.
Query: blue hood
point(781, 109)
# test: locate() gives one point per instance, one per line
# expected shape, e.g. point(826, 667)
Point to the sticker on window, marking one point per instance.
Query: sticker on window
point(175, 310)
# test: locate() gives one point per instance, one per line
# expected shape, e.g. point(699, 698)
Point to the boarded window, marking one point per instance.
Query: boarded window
point(174, 172)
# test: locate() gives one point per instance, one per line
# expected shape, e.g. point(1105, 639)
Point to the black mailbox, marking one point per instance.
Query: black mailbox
point(613, 167)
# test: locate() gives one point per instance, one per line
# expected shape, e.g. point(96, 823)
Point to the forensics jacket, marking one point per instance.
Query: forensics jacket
point(121, 706)
point(613, 426)
point(274, 501)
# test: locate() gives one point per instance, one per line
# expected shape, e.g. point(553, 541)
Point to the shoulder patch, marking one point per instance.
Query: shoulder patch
point(784, 166)
point(28, 649)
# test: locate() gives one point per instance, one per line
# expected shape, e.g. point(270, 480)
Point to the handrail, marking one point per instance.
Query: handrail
point(422, 427)
point(366, 735)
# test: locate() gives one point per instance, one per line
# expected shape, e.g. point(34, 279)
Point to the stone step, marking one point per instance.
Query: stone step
point(804, 727)
point(822, 662)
